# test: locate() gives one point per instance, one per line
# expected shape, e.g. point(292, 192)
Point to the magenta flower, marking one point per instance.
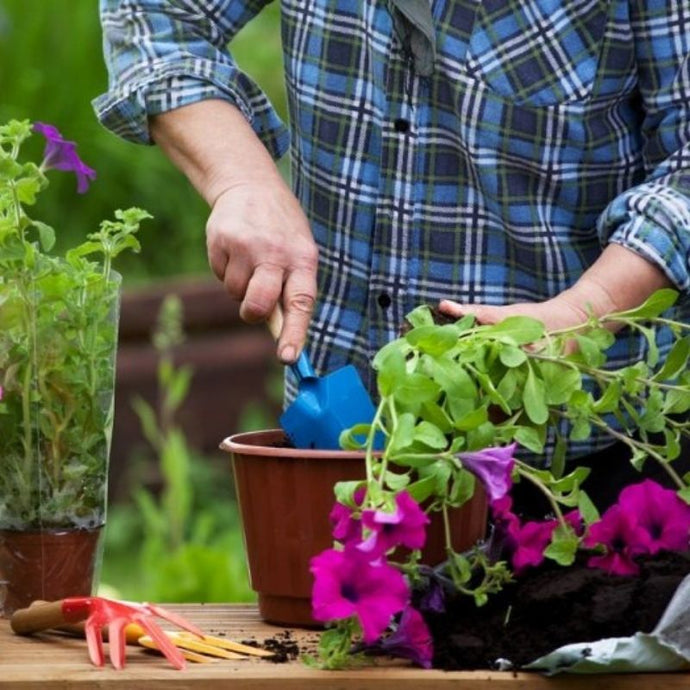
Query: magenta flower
point(347, 583)
point(405, 526)
point(526, 542)
point(345, 527)
point(660, 512)
point(531, 541)
point(622, 536)
point(62, 155)
point(411, 640)
point(494, 467)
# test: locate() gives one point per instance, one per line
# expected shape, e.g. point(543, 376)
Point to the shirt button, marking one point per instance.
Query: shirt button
point(401, 125)
point(384, 300)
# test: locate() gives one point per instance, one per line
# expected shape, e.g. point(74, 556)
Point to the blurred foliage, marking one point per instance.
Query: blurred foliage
point(51, 68)
point(182, 542)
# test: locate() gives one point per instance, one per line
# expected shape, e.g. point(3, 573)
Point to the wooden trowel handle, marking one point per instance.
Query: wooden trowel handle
point(39, 616)
point(275, 322)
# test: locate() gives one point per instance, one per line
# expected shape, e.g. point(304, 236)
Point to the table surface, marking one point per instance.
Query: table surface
point(51, 660)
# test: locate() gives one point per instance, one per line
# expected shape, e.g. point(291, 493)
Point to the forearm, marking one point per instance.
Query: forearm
point(620, 279)
point(214, 146)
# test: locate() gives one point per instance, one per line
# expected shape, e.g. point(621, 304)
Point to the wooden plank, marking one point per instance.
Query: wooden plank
point(50, 661)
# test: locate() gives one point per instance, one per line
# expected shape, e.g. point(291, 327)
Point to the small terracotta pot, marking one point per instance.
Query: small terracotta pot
point(285, 496)
point(46, 565)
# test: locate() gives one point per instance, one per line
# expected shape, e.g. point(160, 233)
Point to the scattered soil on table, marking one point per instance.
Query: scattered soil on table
point(551, 606)
point(283, 646)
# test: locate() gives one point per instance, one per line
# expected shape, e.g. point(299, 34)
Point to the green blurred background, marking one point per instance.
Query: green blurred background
point(51, 69)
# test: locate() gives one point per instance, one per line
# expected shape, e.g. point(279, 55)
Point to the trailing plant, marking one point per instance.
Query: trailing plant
point(58, 338)
point(462, 401)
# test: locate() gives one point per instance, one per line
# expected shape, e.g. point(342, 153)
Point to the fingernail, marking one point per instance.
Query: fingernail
point(287, 354)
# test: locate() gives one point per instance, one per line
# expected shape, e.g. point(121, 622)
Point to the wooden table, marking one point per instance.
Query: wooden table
point(55, 661)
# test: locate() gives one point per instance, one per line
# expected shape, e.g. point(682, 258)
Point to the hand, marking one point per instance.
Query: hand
point(260, 245)
point(557, 313)
point(618, 280)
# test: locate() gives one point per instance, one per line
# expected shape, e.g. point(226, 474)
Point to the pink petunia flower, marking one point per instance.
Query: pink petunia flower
point(345, 527)
point(659, 511)
point(623, 537)
point(61, 154)
point(405, 526)
point(411, 640)
point(347, 583)
point(493, 467)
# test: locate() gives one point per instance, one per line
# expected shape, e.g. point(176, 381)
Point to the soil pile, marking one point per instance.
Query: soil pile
point(551, 606)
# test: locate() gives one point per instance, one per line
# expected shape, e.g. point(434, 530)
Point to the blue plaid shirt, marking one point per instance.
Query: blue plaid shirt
point(546, 129)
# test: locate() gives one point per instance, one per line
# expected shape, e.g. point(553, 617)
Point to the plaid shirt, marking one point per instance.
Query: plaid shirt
point(547, 128)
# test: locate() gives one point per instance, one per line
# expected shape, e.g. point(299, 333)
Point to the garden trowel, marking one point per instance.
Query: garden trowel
point(324, 406)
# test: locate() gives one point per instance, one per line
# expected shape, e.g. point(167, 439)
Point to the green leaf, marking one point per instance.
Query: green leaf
point(415, 389)
point(420, 316)
point(530, 438)
point(534, 397)
point(654, 306)
point(422, 488)
point(389, 361)
point(559, 382)
point(518, 330)
point(563, 546)
point(46, 235)
point(608, 402)
point(345, 492)
point(512, 356)
point(581, 429)
point(589, 351)
point(472, 419)
point(434, 340)
point(430, 435)
point(587, 509)
point(676, 361)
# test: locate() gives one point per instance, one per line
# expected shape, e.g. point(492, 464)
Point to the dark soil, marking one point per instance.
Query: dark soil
point(552, 606)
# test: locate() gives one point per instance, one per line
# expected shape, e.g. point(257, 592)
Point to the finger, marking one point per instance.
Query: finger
point(263, 292)
point(236, 278)
point(451, 308)
point(299, 297)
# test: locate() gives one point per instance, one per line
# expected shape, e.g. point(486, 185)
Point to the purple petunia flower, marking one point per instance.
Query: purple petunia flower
point(494, 467)
point(405, 526)
point(624, 538)
point(526, 542)
point(411, 639)
point(62, 155)
point(345, 527)
point(347, 583)
point(659, 511)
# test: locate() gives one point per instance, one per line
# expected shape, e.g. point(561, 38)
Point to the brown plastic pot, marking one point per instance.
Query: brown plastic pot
point(285, 496)
point(46, 565)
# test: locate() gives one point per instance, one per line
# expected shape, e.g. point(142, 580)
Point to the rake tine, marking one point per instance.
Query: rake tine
point(116, 642)
point(174, 618)
point(168, 649)
point(94, 642)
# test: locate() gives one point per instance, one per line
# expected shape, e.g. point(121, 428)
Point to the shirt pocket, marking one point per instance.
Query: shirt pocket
point(537, 52)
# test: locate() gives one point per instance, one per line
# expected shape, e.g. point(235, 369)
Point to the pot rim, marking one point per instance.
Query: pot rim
point(266, 442)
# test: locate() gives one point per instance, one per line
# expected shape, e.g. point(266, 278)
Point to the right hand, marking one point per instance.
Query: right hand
point(260, 246)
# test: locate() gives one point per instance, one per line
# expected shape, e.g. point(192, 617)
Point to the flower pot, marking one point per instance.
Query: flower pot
point(47, 565)
point(285, 496)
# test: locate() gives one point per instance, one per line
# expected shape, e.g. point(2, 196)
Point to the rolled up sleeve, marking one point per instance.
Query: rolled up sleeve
point(163, 55)
point(653, 217)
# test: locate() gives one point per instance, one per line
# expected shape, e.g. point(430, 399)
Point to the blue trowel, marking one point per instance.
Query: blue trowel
point(324, 406)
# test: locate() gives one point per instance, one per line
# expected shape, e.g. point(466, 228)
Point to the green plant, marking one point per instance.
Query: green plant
point(456, 399)
point(184, 540)
point(58, 337)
